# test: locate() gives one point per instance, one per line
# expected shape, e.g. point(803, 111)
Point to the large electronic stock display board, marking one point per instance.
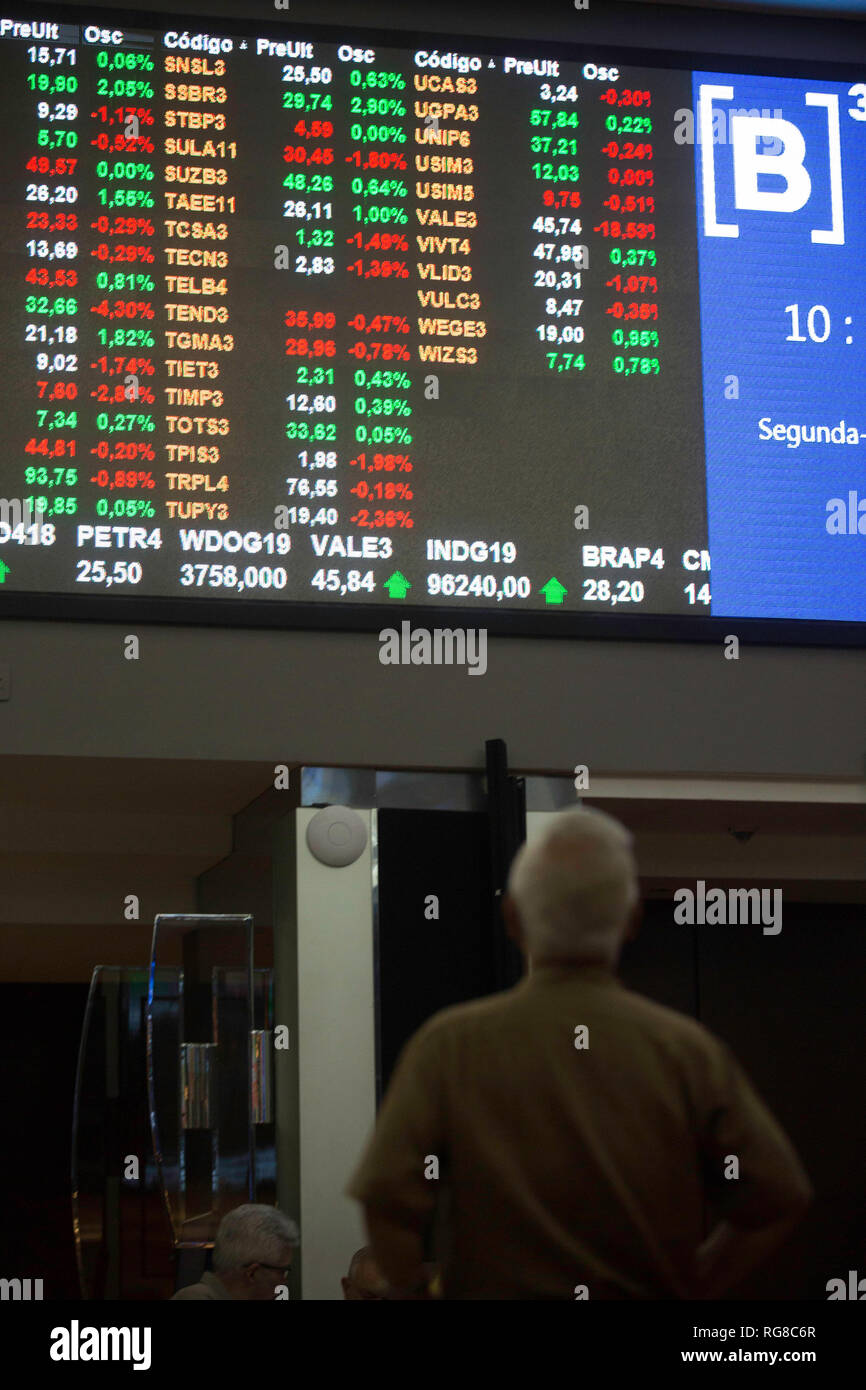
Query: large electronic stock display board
point(307, 327)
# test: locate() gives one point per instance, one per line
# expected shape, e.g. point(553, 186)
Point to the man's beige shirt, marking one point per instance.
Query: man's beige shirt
point(568, 1166)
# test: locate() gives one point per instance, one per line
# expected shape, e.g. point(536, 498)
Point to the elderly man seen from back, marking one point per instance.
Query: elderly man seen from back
point(579, 1127)
point(252, 1255)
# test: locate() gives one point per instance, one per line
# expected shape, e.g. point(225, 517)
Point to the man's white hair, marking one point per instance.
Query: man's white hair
point(252, 1233)
point(575, 886)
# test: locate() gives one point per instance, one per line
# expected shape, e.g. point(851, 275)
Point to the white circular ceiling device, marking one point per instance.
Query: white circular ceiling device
point(337, 836)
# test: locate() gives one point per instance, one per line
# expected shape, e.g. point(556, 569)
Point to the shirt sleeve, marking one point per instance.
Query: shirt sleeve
point(771, 1182)
point(409, 1133)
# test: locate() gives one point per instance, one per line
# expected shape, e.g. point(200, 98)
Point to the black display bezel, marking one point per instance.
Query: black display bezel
point(319, 615)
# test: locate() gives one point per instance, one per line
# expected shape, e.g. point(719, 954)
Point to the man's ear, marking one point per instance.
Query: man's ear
point(512, 921)
point(635, 921)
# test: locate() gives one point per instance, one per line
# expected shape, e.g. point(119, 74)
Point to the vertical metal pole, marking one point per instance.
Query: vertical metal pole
point(506, 809)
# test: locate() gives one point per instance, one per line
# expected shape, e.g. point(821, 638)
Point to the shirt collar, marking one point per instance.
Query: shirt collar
point(577, 971)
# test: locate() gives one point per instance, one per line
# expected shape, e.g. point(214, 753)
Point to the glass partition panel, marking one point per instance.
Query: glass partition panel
point(199, 1071)
point(122, 1244)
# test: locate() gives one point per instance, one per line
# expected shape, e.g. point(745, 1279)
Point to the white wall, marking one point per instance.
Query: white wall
point(336, 1056)
point(324, 698)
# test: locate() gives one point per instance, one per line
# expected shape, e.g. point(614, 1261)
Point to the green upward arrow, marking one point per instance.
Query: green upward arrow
point(4, 570)
point(397, 585)
point(553, 591)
